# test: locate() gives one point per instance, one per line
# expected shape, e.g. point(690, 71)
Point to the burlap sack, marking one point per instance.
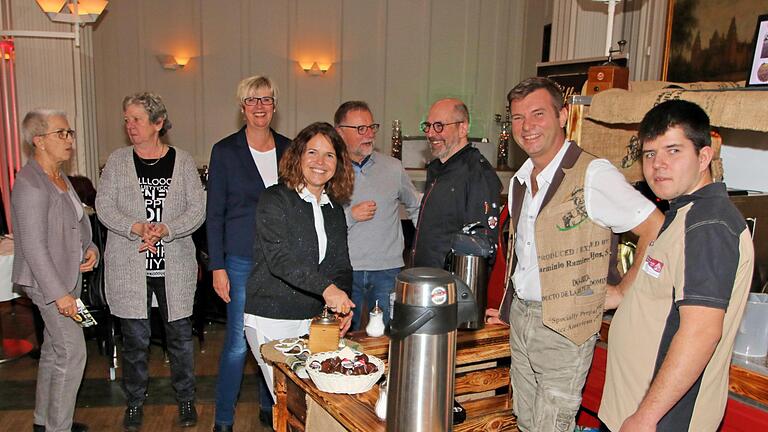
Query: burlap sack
point(613, 142)
point(647, 86)
point(619, 144)
point(318, 418)
point(746, 109)
point(608, 127)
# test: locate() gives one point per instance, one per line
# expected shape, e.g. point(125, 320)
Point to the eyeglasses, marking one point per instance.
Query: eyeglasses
point(62, 134)
point(253, 100)
point(436, 126)
point(363, 129)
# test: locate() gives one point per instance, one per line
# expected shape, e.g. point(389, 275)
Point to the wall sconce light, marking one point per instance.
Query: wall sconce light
point(170, 62)
point(314, 68)
point(80, 12)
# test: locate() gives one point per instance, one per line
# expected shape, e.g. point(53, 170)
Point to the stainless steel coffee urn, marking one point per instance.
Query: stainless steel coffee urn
point(429, 305)
point(468, 260)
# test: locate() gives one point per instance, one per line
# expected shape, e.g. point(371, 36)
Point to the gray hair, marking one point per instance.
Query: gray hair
point(461, 110)
point(346, 108)
point(251, 84)
point(35, 123)
point(153, 105)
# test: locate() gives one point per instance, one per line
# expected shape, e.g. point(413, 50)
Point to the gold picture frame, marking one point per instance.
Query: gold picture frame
point(709, 40)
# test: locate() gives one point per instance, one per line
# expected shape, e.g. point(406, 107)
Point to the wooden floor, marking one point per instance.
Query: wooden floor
point(100, 403)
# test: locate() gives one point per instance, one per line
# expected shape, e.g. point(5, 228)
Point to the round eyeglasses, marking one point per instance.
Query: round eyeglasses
point(62, 134)
point(436, 126)
point(363, 129)
point(253, 100)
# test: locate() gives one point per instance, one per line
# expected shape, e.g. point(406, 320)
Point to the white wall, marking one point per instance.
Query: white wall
point(742, 168)
point(745, 157)
point(398, 55)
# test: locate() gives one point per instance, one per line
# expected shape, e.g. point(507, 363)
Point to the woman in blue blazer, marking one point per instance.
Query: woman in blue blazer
point(242, 166)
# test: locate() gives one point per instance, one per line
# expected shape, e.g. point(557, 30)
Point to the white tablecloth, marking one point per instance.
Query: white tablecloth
point(6, 267)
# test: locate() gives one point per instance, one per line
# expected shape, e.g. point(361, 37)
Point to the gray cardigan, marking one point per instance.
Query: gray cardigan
point(120, 204)
point(49, 238)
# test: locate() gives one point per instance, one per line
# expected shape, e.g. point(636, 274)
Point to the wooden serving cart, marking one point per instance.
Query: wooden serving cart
point(482, 376)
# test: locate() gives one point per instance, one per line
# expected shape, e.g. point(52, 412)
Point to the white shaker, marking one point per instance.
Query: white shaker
point(375, 327)
point(381, 404)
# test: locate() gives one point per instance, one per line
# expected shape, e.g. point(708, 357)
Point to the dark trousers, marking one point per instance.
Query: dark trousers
point(136, 334)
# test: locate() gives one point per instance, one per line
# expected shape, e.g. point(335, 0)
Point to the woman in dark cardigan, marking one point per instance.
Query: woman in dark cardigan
point(301, 260)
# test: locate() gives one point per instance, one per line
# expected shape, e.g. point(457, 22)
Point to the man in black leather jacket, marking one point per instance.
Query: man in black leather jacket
point(462, 186)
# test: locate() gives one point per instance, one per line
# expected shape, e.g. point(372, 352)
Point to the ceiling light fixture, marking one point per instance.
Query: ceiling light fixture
point(76, 12)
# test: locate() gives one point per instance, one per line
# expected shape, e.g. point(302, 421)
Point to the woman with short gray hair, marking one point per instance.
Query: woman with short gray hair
point(52, 247)
point(151, 200)
point(154, 107)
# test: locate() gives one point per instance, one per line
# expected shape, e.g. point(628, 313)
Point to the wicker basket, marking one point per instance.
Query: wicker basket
point(346, 384)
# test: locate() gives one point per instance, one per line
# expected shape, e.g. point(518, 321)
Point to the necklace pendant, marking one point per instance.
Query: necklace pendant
point(142, 160)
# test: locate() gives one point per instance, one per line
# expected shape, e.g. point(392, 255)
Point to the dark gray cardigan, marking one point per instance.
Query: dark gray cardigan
point(286, 281)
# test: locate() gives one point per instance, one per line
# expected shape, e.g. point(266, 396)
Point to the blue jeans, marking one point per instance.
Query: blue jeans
point(369, 286)
point(235, 350)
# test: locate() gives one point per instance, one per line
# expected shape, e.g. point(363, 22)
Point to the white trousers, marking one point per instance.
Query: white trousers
point(260, 330)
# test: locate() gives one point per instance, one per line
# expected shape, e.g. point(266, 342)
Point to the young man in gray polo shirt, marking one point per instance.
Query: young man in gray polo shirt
point(671, 339)
point(375, 235)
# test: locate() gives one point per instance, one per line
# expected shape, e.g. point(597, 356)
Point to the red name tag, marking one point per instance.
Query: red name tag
point(652, 266)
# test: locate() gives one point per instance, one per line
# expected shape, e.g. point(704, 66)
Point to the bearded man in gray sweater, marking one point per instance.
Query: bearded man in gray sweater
point(375, 234)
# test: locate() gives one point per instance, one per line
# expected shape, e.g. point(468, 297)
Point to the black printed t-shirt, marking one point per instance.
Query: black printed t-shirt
point(154, 180)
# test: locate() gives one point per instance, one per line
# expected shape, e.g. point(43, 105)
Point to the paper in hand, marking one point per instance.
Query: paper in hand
point(83, 315)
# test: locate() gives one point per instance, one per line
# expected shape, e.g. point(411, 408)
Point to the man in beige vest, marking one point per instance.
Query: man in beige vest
point(565, 206)
point(670, 343)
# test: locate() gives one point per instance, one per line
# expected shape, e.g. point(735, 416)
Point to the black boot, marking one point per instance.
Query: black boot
point(187, 413)
point(79, 427)
point(134, 416)
point(76, 427)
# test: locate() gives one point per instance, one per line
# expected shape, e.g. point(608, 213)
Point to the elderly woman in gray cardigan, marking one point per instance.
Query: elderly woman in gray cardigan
point(53, 246)
point(151, 199)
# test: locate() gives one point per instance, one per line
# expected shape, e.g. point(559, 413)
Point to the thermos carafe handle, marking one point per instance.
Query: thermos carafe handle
point(402, 333)
point(467, 305)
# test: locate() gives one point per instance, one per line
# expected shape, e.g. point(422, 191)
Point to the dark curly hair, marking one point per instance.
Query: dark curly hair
point(339, 187)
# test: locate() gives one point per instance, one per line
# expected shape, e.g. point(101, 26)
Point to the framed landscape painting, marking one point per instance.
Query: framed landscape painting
point(710, 40)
